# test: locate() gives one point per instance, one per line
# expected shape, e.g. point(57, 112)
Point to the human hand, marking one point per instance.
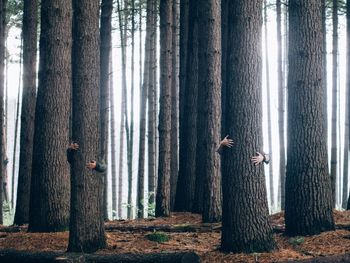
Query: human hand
point(227, 142)
point(91, 165)
point(73, 146)
point(257, 159)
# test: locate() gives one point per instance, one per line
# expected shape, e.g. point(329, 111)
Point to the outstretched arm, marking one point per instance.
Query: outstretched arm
point(260, 157)
point(100, 167)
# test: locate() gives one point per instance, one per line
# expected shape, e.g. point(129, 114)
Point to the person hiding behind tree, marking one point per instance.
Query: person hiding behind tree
point(92, 165)
point(256, 159)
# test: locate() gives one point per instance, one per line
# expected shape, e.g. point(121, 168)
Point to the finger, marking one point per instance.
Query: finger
point(226, 136)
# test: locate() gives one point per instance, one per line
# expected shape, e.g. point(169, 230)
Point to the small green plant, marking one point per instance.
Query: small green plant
point(296, 241)
point(159, 237)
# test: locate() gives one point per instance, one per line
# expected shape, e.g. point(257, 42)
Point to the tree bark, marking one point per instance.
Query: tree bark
point(50, 188)
point(106, 39)
point(163, 188)
point(244, 191)
point(185, 194)
point(29, 33)
point(87, 232)
point(308, 208)
point(209, 107)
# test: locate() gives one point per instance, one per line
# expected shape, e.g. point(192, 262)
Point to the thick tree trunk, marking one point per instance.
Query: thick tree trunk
point(174, 166)
point(50, 188)
point(209, 107)
point(163, 187)
point(106, 38)
point(188, 135)
point(334, 148)
point(29, 33)
point(281, 108)
point(224, 29)
point(244, 192)
point(86, 218)
point(308, 208)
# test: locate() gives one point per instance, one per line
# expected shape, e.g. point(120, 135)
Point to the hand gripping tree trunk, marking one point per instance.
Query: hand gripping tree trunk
point(50, 188)
point(308, 187)
point(86, 225)
point(245, 223)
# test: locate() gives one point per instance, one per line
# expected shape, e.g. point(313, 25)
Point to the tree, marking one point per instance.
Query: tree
point(50, 188)
point(185, 191)
point(308, 188)
point(105, 53)
point(243, 184)
point(281, 107)
point(2, 57)
point(163, 188)
point(345, 197)
point(87, 232)
point(29, 33)
point(209, 107)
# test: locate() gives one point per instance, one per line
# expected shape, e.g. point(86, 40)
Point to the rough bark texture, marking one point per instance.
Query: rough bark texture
point(29, 33)
point(224, 28)
point(86, 225)
point(209, 107)
point(105, 36)
point(50, 188)
point(334, 147)
point(142, 135)
point(152, 110)
point(163, 187)
point(174, 166)
point(2, 58)
point(281, 109)
point(245, 223)
point(308, 188)
point(188, 134)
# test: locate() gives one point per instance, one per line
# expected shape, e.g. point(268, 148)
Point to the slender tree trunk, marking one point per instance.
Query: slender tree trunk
point(224, 29)
point(308, 191)
point(86, 225)
point(174, 166)
point(185, 195)
point(16, 128)
point(152, 109)
point(50, 187)
point(123, 114)
point(334, 159)
point(29, 32)
point(142, 145)
point(209, 107)
point(244, 192)
point(269, 121)
point(2, 57)
point(163, 187)
point(106, 38)
point(281, 108)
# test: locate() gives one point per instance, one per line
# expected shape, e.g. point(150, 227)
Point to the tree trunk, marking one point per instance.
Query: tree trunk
point(152, 109)
point(106, 38)
point(2, 57)
point(188, 134)
point(209, 107)
point(345, 202)
point(281, 108)
point(29, 33)
point(334, 159)
point(86, 225)
point(16, 129)
point(174, 166)
point(308, 208)
point(269, 121)
point(163, 188)
point(244, 191)
point(142, 144)
point(50, 188)
point(224, 30)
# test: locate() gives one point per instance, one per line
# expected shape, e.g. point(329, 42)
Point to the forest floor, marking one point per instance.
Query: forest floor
point(187, 233)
